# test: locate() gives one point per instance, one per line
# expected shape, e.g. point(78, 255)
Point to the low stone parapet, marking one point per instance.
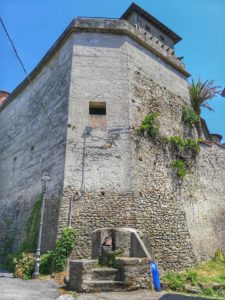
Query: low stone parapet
point(134, 272)
point(131, 274)
point(80, 271)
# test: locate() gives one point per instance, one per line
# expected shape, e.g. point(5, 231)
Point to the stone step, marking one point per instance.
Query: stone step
point(104, 274)
point(96, 286)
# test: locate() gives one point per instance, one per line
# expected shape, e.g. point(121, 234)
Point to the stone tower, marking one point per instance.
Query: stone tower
point(97, 83)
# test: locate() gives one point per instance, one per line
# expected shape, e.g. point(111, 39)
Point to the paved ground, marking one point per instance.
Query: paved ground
point(137, 295)
point(18, 289)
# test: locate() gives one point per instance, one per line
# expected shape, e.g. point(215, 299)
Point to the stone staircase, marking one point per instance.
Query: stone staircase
point(103, 280)
point(97, 279)
point(86, 276)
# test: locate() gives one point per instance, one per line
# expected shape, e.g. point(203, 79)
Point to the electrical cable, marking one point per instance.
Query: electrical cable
point(28, 77)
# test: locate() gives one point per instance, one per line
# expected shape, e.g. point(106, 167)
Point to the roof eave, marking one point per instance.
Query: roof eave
point(135, 8)
point(85, 24)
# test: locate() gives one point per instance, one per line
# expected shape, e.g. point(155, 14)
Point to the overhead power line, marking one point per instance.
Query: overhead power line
point(28, 77)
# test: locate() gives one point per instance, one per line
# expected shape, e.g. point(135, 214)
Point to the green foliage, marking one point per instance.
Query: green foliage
point(212, 271)
point(192, 145)
point(108, 258)
point(181, 145)
point(46, 263)
point(190, 117)
point(180, 167)
point(55, 260)
point(219, 256)
point(24, 265)
point(178, 142)
point(208, 292)
point(149, 125)
point(64, 245)
point(176, 281)
point(200, 92)
point(192, 277)
point(32, 227)
point(29, 243)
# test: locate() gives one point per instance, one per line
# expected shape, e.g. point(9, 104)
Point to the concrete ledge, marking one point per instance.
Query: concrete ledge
point(115, 26)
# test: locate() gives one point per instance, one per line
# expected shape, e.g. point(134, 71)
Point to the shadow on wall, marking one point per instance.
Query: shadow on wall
point(180, 297)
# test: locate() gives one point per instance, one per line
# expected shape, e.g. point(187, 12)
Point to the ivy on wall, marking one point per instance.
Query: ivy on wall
point(182, 149)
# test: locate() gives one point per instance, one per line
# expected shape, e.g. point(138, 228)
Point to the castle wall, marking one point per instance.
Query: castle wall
point(30, 147)
point(110, 181)
point(99, 161)
point(204, 201)
point(102, 174)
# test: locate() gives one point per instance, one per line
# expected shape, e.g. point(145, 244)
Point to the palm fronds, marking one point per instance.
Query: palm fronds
point(200, 92)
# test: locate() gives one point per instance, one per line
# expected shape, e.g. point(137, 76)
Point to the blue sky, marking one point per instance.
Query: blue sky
point(34, 26)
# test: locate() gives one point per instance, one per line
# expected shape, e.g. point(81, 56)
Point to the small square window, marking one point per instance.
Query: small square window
point(97, 108)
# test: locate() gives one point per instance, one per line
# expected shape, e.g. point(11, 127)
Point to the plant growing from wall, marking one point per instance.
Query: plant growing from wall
point(149, 126)
point(200, 92)
point(184, 149)
point(180, 167)
point(32, 228)
point(182, 145)
point(192, 145)
point(190, 117)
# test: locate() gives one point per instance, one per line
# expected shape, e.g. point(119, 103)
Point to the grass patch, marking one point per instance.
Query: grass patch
point(212, 271)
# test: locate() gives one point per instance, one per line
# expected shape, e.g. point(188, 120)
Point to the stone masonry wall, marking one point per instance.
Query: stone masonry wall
point(203, 194)
point(164, 218)
point(124, 183)
point(30, 147)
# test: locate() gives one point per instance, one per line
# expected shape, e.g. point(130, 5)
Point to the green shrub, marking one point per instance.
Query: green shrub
point(32, 228)
point(24, 265)
point(55, 260)
point(221, 293)
point(149, 125)
point(182, 145)
point(176, 281)
point(46, 263)
point(180, 167)
point(190, 117)
point(208, 292)
point(31, 233)
point(192, 277)
point(64, 245)
point(178, 142)
point(108, 259)
point(191, 144)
